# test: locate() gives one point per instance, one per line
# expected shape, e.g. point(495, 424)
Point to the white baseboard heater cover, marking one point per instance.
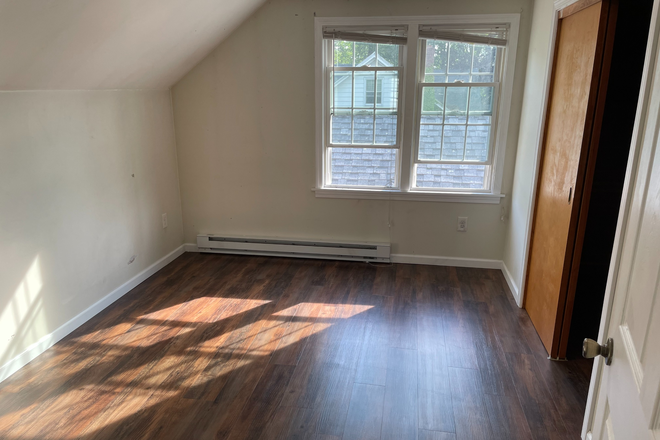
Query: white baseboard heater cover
point(328, 250)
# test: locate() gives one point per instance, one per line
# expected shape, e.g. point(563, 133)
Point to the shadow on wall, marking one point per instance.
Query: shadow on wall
point(23, 316)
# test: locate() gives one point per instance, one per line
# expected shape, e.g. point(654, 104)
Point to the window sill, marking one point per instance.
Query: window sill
point(417, 196)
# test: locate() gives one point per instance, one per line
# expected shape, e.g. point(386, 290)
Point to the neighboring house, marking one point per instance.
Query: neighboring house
point(373, 108)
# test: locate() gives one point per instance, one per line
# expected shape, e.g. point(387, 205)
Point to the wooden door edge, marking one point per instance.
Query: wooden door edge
point(553, 349)
point(590, 167)
point(553, 71)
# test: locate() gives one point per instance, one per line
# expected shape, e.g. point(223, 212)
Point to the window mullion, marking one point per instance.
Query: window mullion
point(408, 104)
point(467, 119)
point(444, 116)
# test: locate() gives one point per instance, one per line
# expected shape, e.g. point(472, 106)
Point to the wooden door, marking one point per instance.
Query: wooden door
point(569, 124)
point(626, 394)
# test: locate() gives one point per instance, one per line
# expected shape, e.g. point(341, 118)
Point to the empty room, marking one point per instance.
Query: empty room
point(329, 219)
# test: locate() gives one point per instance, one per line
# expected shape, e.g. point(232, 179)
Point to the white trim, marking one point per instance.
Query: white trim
point(417, 196)
point(478, 263)
point(432, 260)
point(515, 291)
point(561, 4)
point(408, 97)
point(51, 339)
point(190, 247)
point(419, 19)
point(539, 146)
point(504, 112)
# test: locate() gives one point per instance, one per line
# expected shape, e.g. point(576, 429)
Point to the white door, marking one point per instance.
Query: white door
point(623, 397)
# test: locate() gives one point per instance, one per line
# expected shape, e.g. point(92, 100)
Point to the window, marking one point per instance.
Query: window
point(450, 143)
point(458, 98)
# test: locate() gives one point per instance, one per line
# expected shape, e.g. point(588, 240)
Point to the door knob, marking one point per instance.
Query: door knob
point(591, 349)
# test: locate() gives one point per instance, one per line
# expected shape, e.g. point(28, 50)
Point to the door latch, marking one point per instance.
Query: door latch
point(591, 349)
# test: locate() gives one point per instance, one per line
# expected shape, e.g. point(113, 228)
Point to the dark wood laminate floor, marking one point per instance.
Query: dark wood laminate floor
point(234, 347)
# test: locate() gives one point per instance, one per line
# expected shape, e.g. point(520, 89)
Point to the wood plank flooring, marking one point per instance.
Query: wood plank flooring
point(236, 347)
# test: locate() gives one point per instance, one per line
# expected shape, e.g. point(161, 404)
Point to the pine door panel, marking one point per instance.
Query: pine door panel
point(566, 139)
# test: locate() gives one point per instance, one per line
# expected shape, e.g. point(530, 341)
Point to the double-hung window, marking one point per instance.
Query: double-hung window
point(413, 108)
point(363, 79)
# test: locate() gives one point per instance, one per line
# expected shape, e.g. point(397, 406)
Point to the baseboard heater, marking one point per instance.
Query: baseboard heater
point(328, 250)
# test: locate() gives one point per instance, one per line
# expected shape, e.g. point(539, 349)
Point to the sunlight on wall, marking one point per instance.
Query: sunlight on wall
point(23, 319)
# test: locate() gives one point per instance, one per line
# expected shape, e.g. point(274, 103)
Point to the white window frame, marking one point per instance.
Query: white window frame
point(408, 104)
point(327, 141)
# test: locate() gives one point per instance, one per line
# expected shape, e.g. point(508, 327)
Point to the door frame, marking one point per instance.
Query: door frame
point(624, 210)
point(538, 150)
point(587, 162)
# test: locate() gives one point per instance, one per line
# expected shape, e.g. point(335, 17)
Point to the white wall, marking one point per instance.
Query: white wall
point(244, 121)
point(71, 212)
point(517, 231)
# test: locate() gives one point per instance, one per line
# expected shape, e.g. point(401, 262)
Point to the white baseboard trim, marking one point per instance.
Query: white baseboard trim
point(478, 263)
point(446, 261)
point(190, 247)
point(51, 339)
point(515, 291)
point(430, 260)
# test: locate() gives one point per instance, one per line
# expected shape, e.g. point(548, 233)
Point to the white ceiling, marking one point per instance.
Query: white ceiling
point(110, 44)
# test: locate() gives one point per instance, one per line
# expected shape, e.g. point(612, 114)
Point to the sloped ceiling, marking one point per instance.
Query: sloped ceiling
point(110, 44)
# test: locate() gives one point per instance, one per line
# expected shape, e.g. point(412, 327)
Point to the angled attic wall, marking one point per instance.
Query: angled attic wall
point(244, 120)
point(118, 44)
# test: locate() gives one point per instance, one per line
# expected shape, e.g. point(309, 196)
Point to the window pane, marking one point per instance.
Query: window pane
point(460, 57)
point(482, 78)
point(388, 90)
point(341, 127)
point(388, 55)
point(430, 142)
point(343, 91)
point(435, 78)
point(363, 167)
point(484, 59)
point(365, 54)
point(481, 105)
point(363, 126)
point(450, 62)
point(370, 91)
point(433, 104)
point(451, 176)
point(436, 60)
point(350, 54)
point(456, 105)
point(476, 145)
point(455, 77)
point(453, 142)
point(364, 89)
point(344, 51)
point(386, 127)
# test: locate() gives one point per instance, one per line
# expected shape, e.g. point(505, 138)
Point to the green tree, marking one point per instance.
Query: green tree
point(347, 51)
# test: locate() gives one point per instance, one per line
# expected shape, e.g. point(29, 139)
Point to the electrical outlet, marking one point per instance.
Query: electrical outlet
point(462, 224)
point(164, 221)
